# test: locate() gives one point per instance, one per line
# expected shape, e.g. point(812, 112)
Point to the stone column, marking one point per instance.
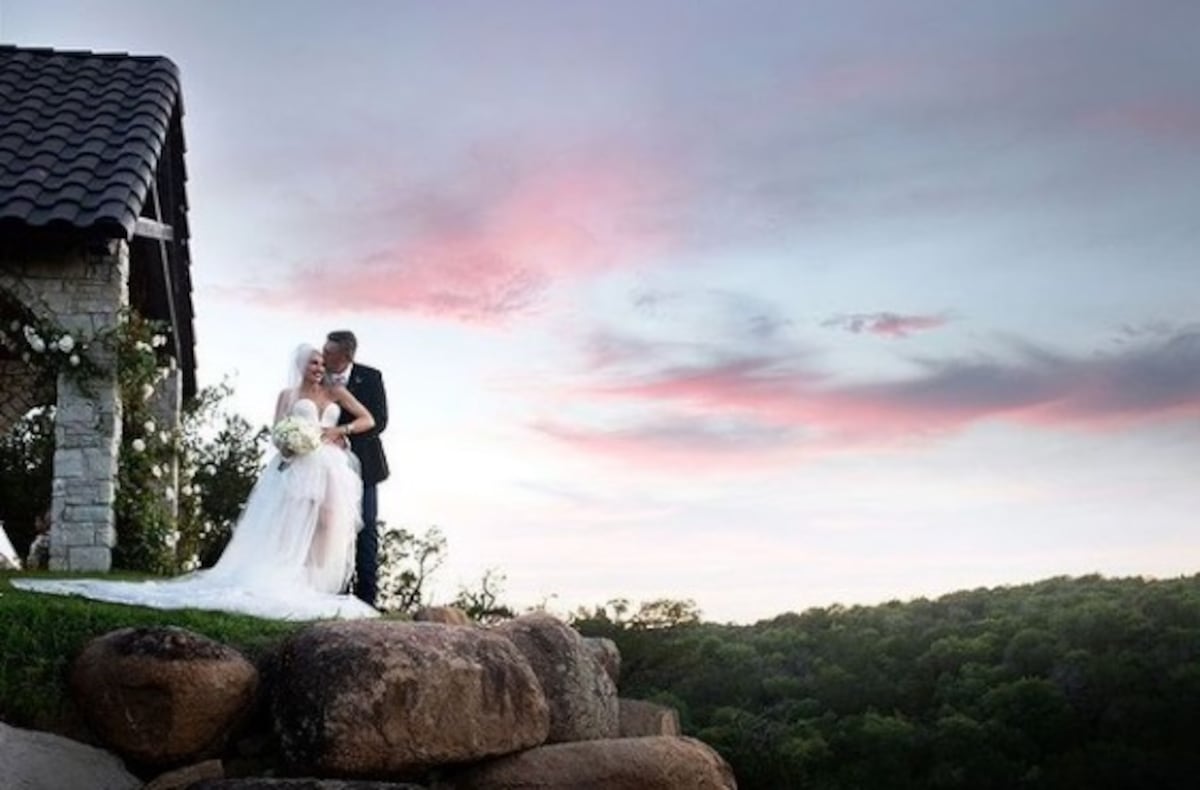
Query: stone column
point(88, 423)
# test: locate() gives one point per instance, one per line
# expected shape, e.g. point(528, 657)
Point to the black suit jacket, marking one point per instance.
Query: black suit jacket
point(366, 384)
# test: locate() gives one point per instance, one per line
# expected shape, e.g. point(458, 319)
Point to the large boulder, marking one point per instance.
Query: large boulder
point(184, 778)
point(162, 695)
point(661, 763)
point(608, 654)
point(639, 719)
point(447, 615)
point(390, 699)
point(266, 783)
point(32, 760)
point(582, 697)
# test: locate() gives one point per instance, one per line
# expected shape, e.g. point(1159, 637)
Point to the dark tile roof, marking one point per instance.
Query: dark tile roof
point(81, 135)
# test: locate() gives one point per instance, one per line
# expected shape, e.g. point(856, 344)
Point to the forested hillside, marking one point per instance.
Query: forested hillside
point(1067, 683)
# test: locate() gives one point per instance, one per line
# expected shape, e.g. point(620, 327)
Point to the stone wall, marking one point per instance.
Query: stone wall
point(82, 291)
point(19, 392)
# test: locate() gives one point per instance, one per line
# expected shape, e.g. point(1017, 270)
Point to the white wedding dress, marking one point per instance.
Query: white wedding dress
point(291, 553)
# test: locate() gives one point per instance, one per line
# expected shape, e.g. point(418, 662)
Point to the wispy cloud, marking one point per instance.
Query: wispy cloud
point(486, 248)
point(698, 444)
point(886, 324)
point(785, 398)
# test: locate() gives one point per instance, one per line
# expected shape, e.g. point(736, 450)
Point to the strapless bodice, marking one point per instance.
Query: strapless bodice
point(307, 409)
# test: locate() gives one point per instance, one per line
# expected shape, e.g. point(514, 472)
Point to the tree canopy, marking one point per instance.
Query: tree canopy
point(1085, 682)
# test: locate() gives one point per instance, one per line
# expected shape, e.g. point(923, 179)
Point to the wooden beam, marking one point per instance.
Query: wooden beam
point(164, 258)
point(153, 229)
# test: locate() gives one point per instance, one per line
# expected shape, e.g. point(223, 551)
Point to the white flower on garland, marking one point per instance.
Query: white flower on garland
point(138, 446)
point(159, 340)
point(147, 392)
point(148, 426)
point(164, 437)
point(156, 470)
point(66, 343)
point(74, 360)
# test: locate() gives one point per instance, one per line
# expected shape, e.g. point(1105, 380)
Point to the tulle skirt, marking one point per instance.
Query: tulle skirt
point(290, 557)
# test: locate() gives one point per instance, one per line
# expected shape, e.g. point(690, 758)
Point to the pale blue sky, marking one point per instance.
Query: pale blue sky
point(768, 305)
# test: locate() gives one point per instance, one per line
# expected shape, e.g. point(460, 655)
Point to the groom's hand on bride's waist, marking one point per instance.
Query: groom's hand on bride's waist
point(335, 436)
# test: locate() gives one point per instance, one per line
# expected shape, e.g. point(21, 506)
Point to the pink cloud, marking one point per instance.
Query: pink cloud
point(1153, 382)
point(695, 445)
point(886, 324)
point(491, 254)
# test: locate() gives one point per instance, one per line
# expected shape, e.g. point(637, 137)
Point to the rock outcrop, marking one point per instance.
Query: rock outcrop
point(582, 697)
point(622, 764)
point(605, 651)
point(363, 705)
point(380, 698)
point(447, 615)
point(639, 719)
point(32, 760)
point(164, 695)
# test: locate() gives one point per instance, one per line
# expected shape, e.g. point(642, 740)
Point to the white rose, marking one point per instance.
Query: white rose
point(143, 346)
point(164, 437)
point(209, 469)
point(156, 470)
point(148, 426)
point(66, 343)
point(37, 344)
point(186, 490)
point(169, 493)
point(147, 392)
point(138, 446)
point(159, 340)
point(74, 360)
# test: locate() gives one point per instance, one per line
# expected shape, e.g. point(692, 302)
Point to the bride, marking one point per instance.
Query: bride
point(292, 550)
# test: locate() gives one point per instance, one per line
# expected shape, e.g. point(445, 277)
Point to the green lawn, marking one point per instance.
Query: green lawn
point(41, 634)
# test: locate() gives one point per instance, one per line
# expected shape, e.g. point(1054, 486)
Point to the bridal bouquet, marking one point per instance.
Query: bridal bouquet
point(294, 436)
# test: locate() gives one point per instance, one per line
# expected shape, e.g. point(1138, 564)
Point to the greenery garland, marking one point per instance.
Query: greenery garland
point(48, 348)
point(146, 495)
point(144, 498)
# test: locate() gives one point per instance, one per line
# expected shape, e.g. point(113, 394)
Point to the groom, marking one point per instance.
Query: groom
point(366, 384)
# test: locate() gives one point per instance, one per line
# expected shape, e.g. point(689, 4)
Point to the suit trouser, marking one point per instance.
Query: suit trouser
point(366, 550)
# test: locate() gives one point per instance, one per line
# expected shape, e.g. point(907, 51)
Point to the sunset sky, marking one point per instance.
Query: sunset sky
point(766, 305)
